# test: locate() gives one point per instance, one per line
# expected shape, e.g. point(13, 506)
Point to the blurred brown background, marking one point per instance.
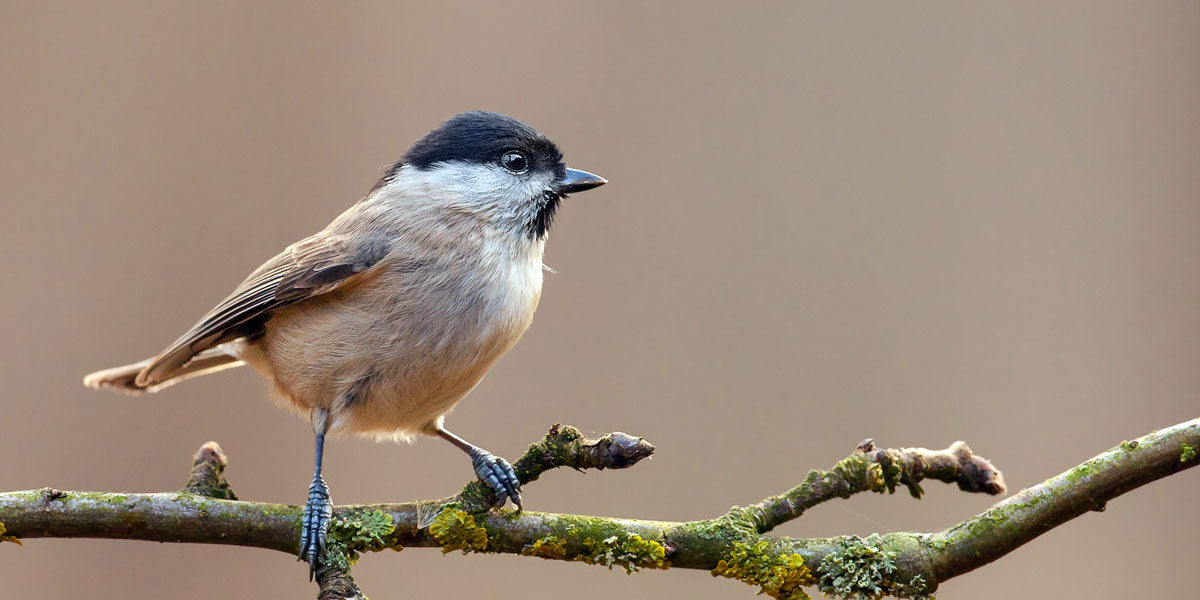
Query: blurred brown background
point(918, 223)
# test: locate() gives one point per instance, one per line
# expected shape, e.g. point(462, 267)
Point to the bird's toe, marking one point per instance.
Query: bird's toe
point(314, 525)
point(498, 474)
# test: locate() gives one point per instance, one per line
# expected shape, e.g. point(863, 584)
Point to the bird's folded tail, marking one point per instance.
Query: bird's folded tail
point(124, 379)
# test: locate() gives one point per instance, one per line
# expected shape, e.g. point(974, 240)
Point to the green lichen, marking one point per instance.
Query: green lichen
point(709, 530)
point(601, 541)
point(1003, 519)
point(913, 590)
point(8, 538)
point(631, 552)
point(476, 497)
point(500, 539)
point(31, 495)
point(875, 472)
point(938, 542)
point(859, 569)
point(549, 547)
point(736, 525)
point(456, 530)
point(1080, 473)
point(367, 531)
point(101, 497)
point(857, 470)
point(777, 575)
point(222, 491)
point(575, 529)
point(885, 473)
point(553, 451)
point(1187, 453)
point(200, 503)
point(283, 510)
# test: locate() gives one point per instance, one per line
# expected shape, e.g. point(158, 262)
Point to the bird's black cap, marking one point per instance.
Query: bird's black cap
point(482, 137)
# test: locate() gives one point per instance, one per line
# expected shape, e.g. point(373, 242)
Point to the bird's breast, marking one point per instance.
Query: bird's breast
point(404, 346)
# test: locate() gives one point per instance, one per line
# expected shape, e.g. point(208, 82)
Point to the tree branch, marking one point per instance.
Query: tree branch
point(731, 545)
point(1087, 487)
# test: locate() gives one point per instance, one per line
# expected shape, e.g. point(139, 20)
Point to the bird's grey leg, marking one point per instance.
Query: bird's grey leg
point(495, 472)
point(318, 511)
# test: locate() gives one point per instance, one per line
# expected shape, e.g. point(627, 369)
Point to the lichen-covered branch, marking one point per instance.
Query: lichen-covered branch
point(1087, 487)
point(885, 469)
point(731, 545)
point(562, 447)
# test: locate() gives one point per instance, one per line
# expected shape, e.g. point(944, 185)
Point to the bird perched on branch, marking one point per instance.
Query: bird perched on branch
point(381, 322)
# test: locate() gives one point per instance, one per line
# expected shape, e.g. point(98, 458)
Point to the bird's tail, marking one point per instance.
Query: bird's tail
point(121, 379)
point(124, 379)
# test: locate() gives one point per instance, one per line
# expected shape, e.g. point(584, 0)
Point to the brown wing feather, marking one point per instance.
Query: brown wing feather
point(310, 267)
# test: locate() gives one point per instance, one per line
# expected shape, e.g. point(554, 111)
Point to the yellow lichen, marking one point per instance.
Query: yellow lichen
point(876, 480)
point(8, 538)
point(456, 530)
point(549, 547)
point(778, 576)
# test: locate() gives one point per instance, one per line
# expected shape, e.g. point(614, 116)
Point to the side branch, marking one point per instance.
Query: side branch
point(879, 470)
point(205, 479)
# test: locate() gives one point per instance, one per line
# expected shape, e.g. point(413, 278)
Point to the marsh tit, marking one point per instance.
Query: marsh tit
point(380, 323)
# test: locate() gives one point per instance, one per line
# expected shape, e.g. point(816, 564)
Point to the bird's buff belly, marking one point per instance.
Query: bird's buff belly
point(373, 384)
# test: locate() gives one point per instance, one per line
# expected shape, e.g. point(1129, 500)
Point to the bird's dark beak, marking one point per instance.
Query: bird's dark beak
point(578, 181)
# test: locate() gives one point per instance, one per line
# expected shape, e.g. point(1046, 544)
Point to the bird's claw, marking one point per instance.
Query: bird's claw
point(314, 526)
point(497, 474)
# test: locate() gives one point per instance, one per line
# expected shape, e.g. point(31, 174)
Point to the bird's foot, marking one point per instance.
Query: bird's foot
point(314, 526)
point(497, 474)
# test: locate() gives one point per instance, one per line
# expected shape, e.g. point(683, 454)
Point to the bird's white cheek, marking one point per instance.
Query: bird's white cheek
point(506, 200)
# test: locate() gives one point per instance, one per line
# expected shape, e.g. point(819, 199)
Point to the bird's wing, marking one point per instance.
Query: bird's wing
point(308, 268)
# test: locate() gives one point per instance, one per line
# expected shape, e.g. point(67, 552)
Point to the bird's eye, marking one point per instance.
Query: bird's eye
point(514, 161)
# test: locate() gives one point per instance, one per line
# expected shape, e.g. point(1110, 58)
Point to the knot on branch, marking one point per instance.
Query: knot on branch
point(205, 478)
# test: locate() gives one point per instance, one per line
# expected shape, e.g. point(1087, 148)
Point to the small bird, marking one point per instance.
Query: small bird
point(380, 323)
